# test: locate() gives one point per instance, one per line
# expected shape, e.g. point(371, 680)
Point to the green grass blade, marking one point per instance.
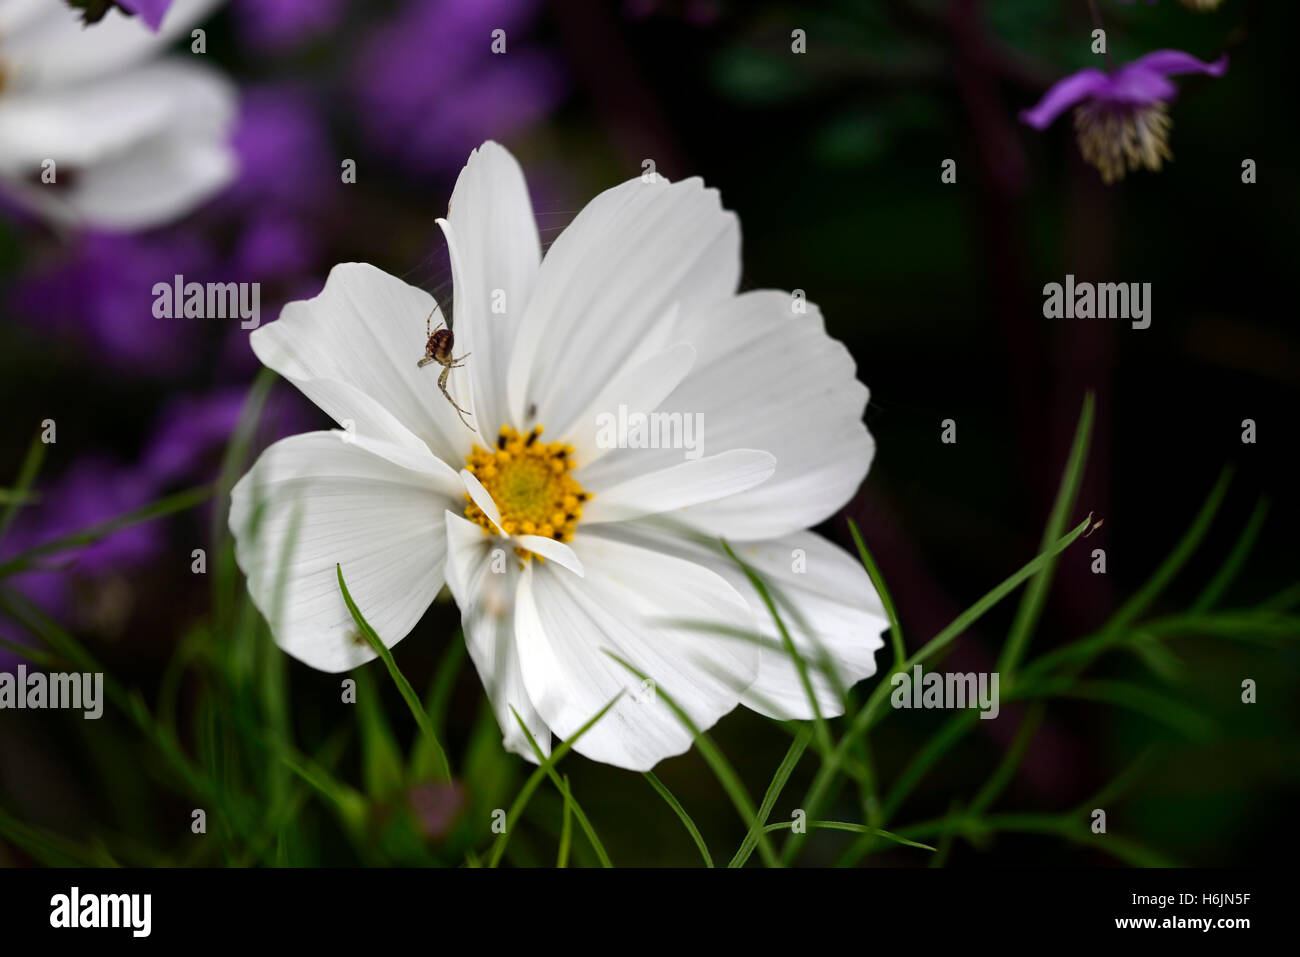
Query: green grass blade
point(544, 768)
point(566, 827)
point(676, 805)
point(819, 723)
point(382, 769)
point(235, 458)
point(170, 505)
point(867, 716)
point(1121, 783)
point(782, 775)
point(1159, 707)
point(935, 747)
point(852, 829)
point(50, 849)
point(34, 655)
point(1170, 567)
point(877, 579)
point(27, 472)
point(722, 769)
point(1031, 604)
point(408, 693)
point(1227, 573)
point(567, 794)
point(1006, 769)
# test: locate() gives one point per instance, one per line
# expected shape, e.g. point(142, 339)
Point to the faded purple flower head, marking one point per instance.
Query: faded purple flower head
point(273, 244)
point(99, 298)
point(429, 88)
point(278, 25)
point(436, 806)
point(1122, 118)
point(150, 11)
point(86, 584)
point(284, 152)
point(189, 429)
point(192, 431)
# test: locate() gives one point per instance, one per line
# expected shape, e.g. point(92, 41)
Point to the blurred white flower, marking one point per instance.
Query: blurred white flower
point(557, 549)
point(135, 140)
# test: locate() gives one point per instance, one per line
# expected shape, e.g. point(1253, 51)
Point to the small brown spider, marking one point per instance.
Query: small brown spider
point(438, 349)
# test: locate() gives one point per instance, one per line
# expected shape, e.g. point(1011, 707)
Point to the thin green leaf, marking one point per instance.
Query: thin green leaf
point(422, 758)
point(867, 716)
point(1010, 762)
point(878, 580)
point(163, 507)
point(783, 771)
point(51, 849)
point(1159, 707)
point(381, 758)
point(566, 827)
point(567, 794)
point(1227, 573)
point(819, 723)
point(27, 473)
point(1169, 568)
point(676, 805)
point(408, 693)
point(721, 767)
point(34, 655)
point(545, 767)
point(851, 828)
point(1035, 596)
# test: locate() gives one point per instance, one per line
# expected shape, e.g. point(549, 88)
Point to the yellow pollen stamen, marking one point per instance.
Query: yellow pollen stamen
point(1120, 140)
point(531, 483)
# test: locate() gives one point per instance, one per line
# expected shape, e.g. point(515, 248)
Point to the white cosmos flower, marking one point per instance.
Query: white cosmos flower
point(634, 304)
point(136, 140)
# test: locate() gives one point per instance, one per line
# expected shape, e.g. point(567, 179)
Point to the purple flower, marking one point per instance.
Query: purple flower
point(150, 11)
point(284, 153)
point(90, 585)
point(1121, 118)
point(189, 429)
point(273, 245)
point(429, 88)
point(100, 299)
point(192, 432)
point(278, 25)
point(85, 585)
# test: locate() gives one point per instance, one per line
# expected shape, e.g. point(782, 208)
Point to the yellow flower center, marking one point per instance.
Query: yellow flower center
point(531, 484)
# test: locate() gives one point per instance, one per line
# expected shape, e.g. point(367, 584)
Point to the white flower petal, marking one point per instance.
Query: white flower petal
point(135, 150)
point(17, 15)
point(638, 390)
point(376, 430)
point(624, 261)
point(549, 548)
point(766, 379)
point(84, 125)
point(367, 328)
point(54, 48)
point(482, 498)
point(825, 598)
point(344, 505)
point(565, 626)
point(483, 575)
point(678, 486)
point(496, 254)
